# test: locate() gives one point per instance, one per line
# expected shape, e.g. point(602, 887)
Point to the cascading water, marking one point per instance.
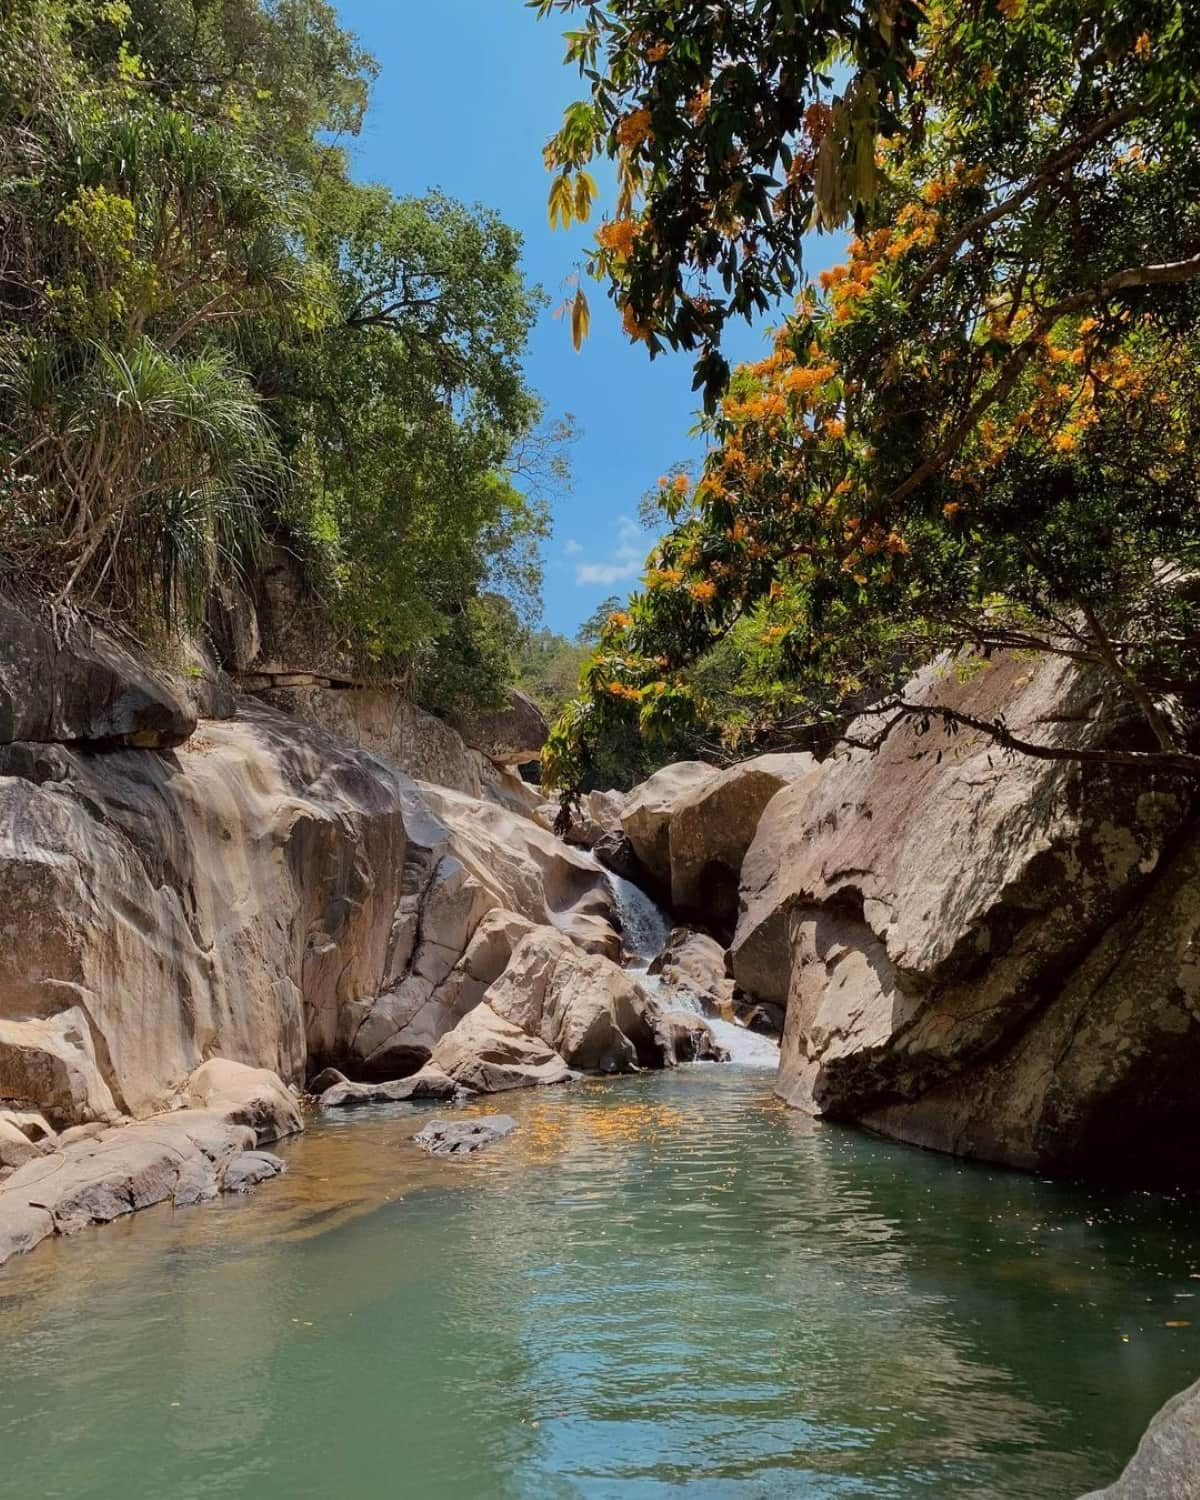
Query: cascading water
point(645, 927)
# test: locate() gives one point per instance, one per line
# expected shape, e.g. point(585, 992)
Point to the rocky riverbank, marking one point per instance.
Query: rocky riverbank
point(192, 878)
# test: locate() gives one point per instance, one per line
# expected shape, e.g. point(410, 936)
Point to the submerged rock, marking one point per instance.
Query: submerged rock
point(95, 1176)
point(1166, 1465)
point(461, 1137)
point(249, 1169)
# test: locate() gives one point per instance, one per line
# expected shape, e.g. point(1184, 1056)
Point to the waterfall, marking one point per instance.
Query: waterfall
point(645, 927)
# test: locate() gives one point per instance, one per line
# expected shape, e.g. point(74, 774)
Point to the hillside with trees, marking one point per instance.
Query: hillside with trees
point(212, 335)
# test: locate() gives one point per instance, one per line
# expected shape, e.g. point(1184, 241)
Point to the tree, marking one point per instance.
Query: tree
point(728, 136)
point(979, 432)
point(208, 331)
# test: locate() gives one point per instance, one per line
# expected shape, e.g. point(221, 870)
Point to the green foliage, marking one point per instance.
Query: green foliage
point(730, 137)
point(208, 331)
point(981, 432)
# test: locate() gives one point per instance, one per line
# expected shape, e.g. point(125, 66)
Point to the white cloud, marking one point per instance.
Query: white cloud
point(571, 546)
point(625, 562)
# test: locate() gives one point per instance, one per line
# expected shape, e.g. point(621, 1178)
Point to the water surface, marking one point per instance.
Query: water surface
point(657, 1287)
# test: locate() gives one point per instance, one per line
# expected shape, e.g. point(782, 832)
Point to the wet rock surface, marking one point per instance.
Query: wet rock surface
point(462, 1137)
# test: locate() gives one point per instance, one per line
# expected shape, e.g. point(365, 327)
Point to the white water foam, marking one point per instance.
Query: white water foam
point(645, 928)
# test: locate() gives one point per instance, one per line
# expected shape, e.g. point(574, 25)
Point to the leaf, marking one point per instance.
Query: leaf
point(581, 319)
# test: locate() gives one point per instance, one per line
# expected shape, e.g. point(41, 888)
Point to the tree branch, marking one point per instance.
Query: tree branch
point(1180, 762)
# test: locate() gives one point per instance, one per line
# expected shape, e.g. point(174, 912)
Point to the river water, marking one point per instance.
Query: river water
point(658, 1286)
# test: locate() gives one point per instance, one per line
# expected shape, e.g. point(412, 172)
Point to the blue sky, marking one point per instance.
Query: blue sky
point(468, 92)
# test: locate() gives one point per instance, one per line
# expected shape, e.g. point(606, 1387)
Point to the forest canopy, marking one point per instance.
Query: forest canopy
point(979, 431)
point(211, 335)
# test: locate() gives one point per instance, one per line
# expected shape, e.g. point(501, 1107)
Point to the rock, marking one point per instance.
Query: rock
point(245, 1096)
point(177, 1157)
point(325, 1080)
point(649, 808)
point(197, 1183)
point(51, 1062)
point(32, 1125)
point(429, 1083)
point(384, 723)
point(232, 622)
point(268, 894)
point(509, 736)
point(528, 870)
point(1166, 1465)
point(199, 681)
point(762, 1018)
point(22, 1227)
point(295, 629)
point(505, 787)
point(687, 1037)
point(712, 827)
point(129, 1168)
point(89, 1132)
point(985, 956)
point(597, 817)
point(16, 1148)
point(64, 680)
point(489, 1054)
point(695, 964)
point(461, 1137)
point(616, 853)
point(760, 953)
point(582, 1005)
point(249, 1169)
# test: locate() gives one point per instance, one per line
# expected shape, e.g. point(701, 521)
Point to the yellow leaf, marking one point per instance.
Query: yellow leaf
point(581, 319)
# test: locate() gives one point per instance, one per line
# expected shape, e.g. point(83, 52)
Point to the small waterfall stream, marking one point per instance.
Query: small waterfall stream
point(645, 927)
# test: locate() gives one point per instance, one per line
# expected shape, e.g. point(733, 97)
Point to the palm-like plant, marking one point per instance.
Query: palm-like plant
point(152, 463)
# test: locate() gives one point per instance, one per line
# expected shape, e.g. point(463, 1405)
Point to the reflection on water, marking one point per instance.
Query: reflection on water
point(656, 1285)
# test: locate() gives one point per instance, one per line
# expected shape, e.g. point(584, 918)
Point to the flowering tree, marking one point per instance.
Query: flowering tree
point(980, 430)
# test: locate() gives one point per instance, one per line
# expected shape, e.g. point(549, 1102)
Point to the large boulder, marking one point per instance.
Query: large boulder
point(64, 680)
point(712, 827)
point(528, 870)
point(1166, 1465)
point(694, 964)
point(267, 893)
point(508, 736)
point(383, 722)
point(596, 817)
point(648, 810)
point(985, 955)
point(490, 1054)
point(504, 786)
point(50, 1062)
point(582, 1005)
point(245, 1096)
